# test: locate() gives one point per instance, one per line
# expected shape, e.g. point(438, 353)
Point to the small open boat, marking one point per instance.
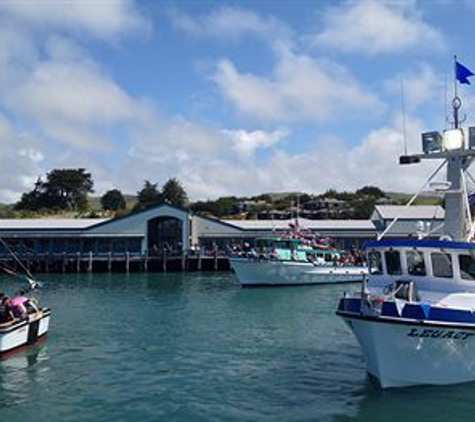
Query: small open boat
point(23, 322)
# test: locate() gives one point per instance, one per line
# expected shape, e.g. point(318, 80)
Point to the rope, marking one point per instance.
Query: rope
point(29, 277)
point(380, 236)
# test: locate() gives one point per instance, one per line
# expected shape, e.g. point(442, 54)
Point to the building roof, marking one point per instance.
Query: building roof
point(304, 224)
point(49, 223)
point(413, 212)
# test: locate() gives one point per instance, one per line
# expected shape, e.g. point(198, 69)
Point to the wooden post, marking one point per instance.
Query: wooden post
point(164, 262)
point(145, 264)
point(215, 260)
point(183, 260)
point(199, 259)
point(47, 262)
point(127, 262)
point(78, 262)
point(109, 261)
point(89, 265)
point(64, 262)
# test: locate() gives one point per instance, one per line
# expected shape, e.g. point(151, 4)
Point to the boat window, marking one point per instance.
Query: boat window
point(467, 267)
point(375, 263)
point(393, 262)
point(415, 263)
point(442, 264)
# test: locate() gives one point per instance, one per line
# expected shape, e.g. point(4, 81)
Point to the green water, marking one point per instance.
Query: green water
point(197, 347)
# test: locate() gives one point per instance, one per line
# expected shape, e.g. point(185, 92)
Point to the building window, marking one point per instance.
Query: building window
point(393, 262)
point(442, 265)
point(415, 263)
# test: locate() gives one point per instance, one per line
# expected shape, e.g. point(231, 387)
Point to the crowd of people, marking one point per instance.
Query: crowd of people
point(353, 257)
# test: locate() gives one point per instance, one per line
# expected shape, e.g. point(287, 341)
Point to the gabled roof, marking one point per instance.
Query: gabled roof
point(413, 212)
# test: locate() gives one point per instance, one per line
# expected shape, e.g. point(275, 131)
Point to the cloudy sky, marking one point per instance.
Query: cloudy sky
point(232, 97)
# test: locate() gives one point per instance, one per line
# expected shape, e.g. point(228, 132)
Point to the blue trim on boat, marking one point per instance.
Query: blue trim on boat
point(415, 243)
point(411, 311)
point(405, 321)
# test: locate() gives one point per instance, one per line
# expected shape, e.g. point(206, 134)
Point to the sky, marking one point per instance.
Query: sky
point(229, 97)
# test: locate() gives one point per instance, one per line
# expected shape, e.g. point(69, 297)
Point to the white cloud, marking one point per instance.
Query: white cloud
point(301, 88)
point(102, 19)
point(20, 161)
point(372, 27)
point(54, 87)
point(74, 102)
point(246, 143)
point(231, 23)
point(421, 85)
point(328, 163)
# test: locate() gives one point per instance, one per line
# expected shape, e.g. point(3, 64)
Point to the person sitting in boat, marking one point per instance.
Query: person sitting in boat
point(6, 313)
point(18, 305)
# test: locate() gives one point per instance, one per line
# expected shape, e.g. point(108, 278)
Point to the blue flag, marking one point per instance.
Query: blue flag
point(462, 73)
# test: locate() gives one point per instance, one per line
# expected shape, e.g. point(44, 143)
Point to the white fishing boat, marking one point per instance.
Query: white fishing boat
point(23, 322)
point(294, 261)
point(415, 317)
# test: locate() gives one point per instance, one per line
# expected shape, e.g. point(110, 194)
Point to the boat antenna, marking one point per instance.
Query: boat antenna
point(403, 104)
point(446, 113)
point(456, 102)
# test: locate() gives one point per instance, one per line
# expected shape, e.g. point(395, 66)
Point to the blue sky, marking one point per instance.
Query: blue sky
point(231, 98)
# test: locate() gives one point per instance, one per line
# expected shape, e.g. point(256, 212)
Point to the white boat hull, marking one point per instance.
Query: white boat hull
point(23, 333)
point(278, 273)
point(406, 354)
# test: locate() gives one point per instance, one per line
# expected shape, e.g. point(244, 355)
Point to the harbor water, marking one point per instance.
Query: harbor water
point(198, 347)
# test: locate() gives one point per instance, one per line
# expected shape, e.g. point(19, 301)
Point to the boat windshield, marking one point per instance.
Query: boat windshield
point(467, 267)
point(375, 263)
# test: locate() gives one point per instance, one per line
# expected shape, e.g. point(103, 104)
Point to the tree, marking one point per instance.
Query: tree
point(113, 200)
point(148, 195)
point(174, 194)
point(371, 191)
point(330, 193)
point(64, 189)
point(69, 187)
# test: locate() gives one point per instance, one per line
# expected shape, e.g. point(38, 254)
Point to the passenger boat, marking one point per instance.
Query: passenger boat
point(414, 318)
point(21, 331)
point(291, 261)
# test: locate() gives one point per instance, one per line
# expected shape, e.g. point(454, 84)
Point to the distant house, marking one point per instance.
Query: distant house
point(326, 207)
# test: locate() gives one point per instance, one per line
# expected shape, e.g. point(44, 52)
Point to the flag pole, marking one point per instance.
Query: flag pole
point(455, 76)
point(456, 103)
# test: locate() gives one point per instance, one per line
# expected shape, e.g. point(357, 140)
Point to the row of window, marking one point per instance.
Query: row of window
point(442, 265)
point(72, 245)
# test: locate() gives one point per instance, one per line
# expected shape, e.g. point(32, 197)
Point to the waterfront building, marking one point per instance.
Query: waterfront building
point(166, 227)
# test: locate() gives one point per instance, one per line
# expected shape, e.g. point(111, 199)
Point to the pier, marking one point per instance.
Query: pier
point(115, 262)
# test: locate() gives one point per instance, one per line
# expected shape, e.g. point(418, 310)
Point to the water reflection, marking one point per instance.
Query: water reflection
point(21, 371)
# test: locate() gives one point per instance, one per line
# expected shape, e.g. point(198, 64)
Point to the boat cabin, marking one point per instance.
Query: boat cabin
point(434, 267)
point(296, 249)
